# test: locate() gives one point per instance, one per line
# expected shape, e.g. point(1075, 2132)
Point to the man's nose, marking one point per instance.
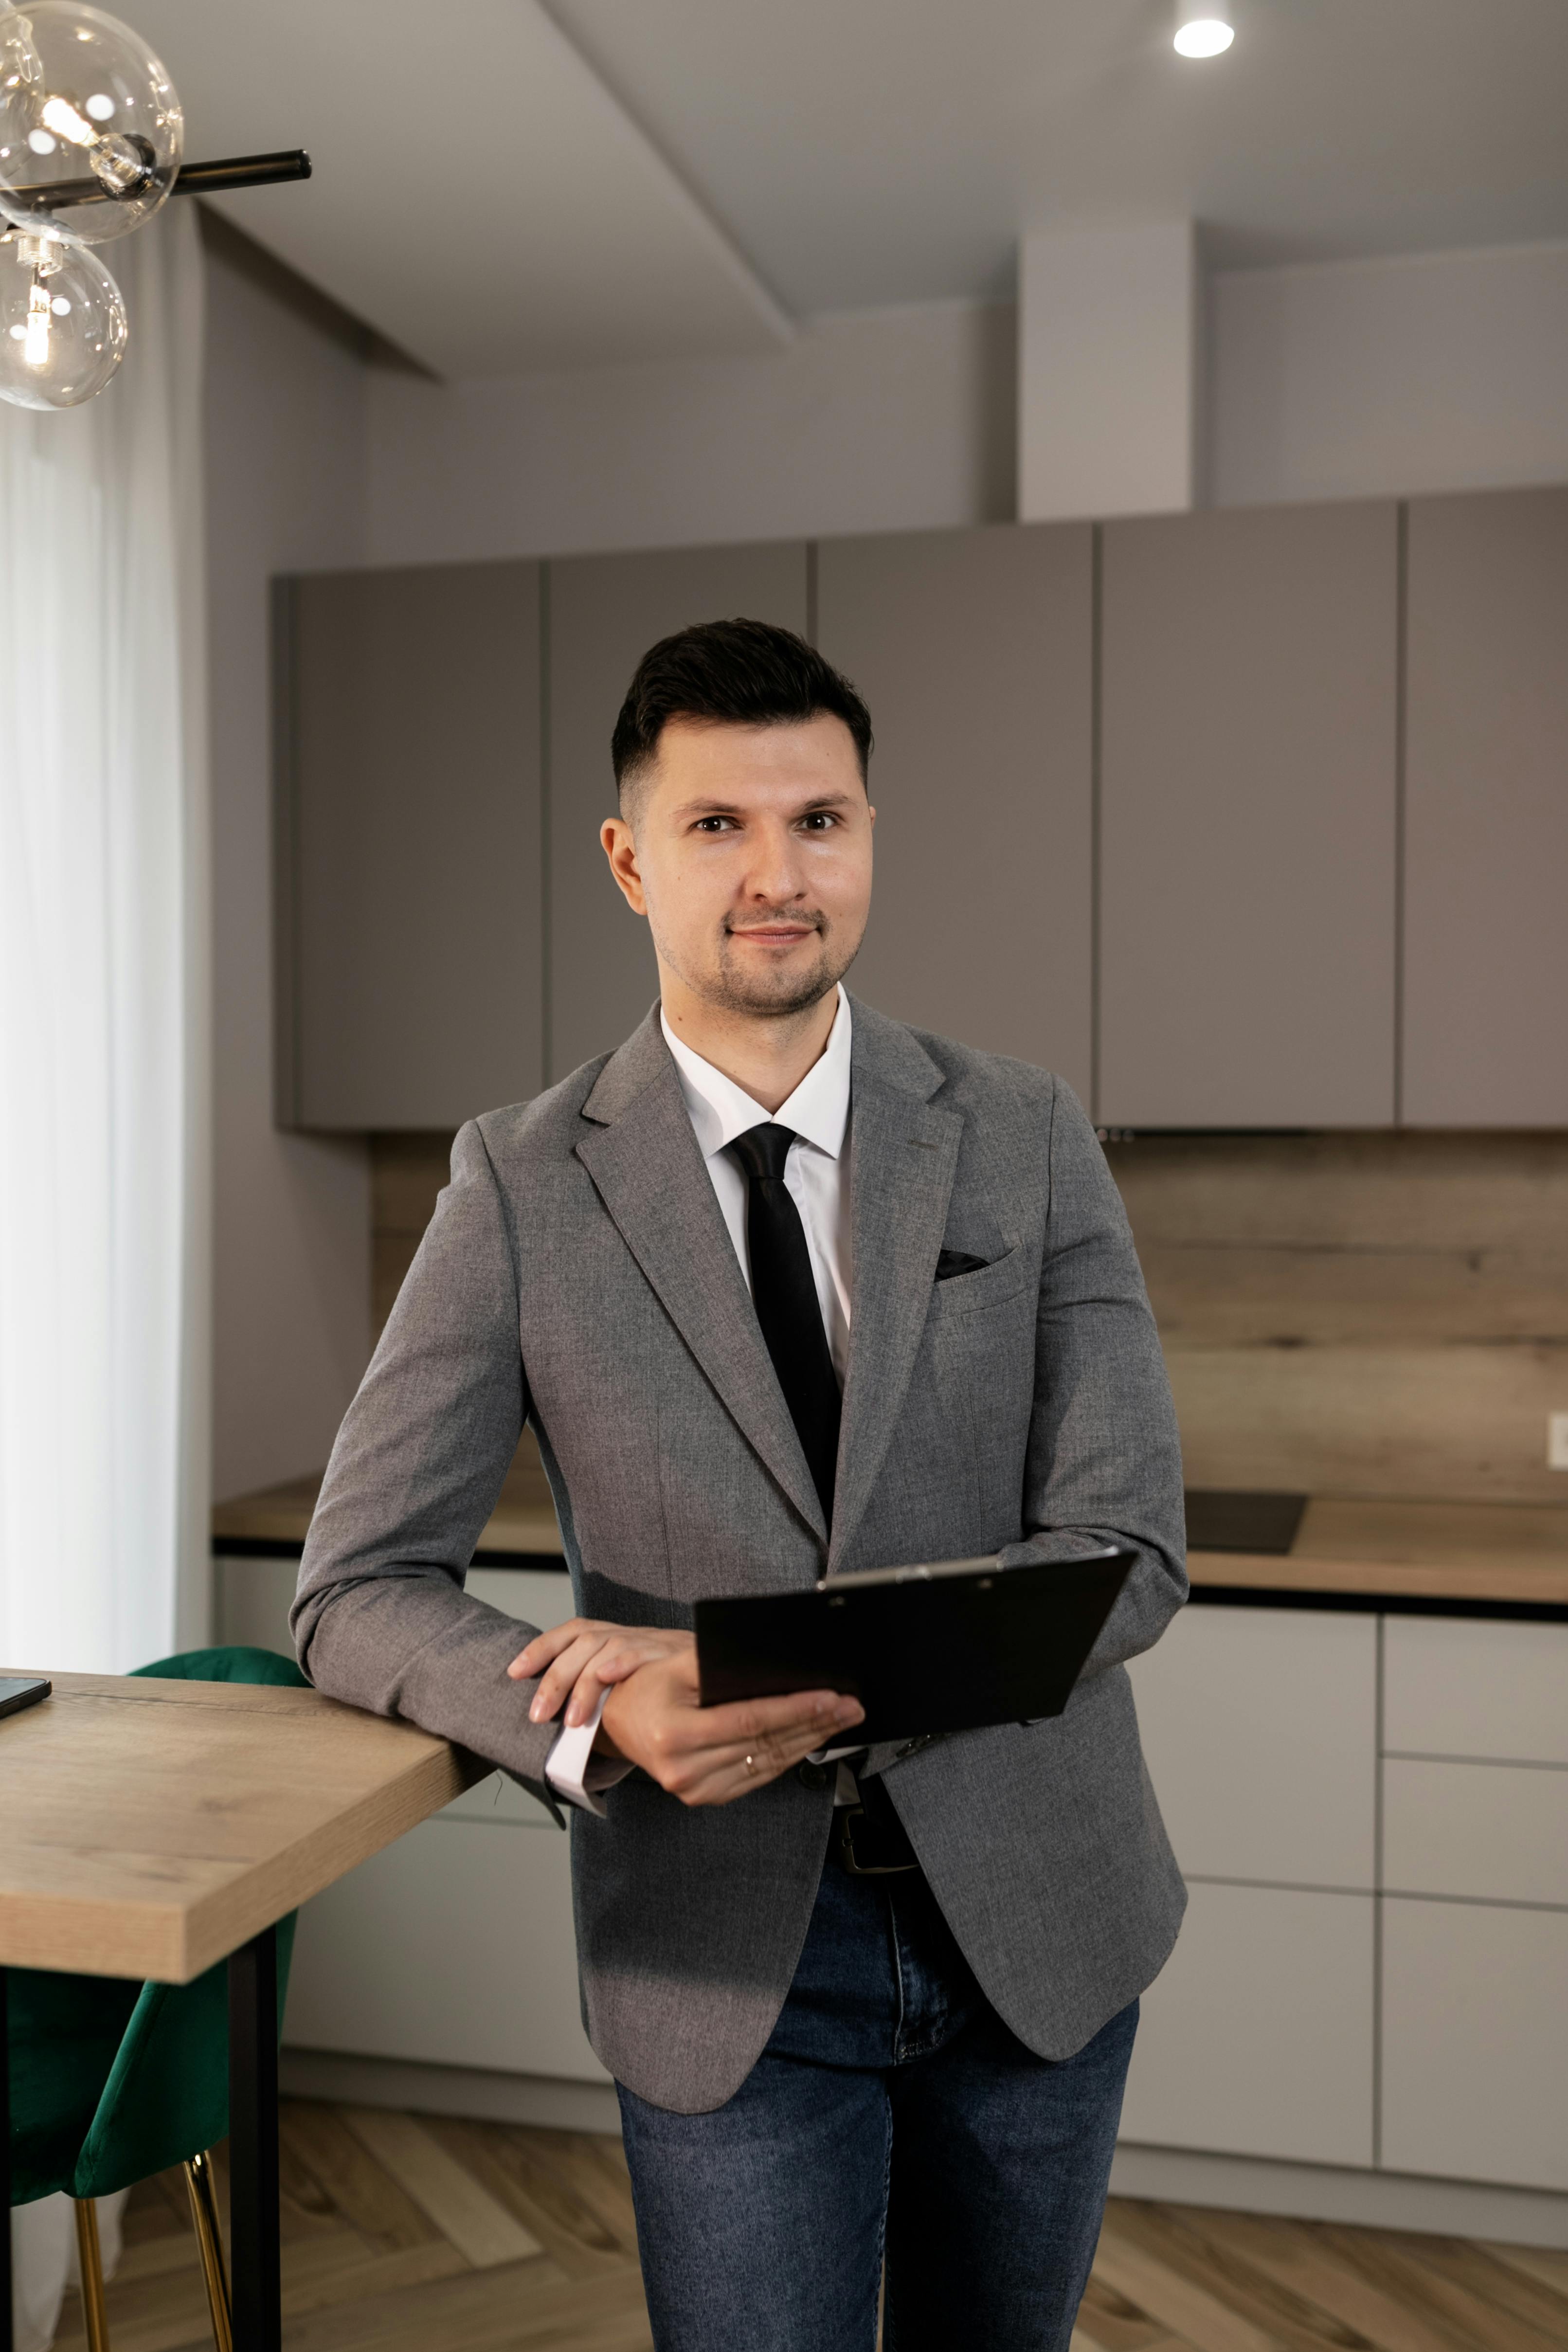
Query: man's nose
point(775, 872)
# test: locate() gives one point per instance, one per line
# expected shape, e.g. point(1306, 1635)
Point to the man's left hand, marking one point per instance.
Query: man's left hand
point(585, 1657)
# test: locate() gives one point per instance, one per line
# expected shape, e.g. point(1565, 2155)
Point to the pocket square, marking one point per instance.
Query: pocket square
point(951, 1262)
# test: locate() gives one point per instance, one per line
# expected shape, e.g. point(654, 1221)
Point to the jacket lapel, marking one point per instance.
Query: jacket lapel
point(904, 1151)
point(646, 1165)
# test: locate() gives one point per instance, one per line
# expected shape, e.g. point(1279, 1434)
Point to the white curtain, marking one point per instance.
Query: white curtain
point(103, 988)
point(104, 1151)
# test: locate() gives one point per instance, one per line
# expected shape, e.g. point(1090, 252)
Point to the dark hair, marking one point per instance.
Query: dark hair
point(736, 673)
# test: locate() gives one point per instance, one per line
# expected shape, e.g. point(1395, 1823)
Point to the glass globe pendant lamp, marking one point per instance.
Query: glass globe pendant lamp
point(91, 131)
point(92, 142)
point(62, 321)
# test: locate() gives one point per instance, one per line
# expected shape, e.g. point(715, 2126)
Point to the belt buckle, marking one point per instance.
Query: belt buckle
point(846, 1816)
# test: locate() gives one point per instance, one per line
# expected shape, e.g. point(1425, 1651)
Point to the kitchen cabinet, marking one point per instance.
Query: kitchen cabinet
point(410, 905)
point(1484, 1832)
point(1486, 815)
point(1256, 2039)
point(1474, 2060)
point(1259, 1727)
point(604, 612)
point(1454, 1687)
point(454, 1947)
point(1249, 666)
point(974, 652)
point(1199, 915)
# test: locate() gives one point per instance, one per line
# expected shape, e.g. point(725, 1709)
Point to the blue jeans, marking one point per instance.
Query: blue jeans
point(891, 2114)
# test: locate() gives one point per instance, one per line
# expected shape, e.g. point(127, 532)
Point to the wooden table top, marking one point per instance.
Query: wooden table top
point(147, 1828)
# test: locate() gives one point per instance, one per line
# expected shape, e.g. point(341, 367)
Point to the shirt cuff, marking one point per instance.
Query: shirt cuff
point(575, 1773)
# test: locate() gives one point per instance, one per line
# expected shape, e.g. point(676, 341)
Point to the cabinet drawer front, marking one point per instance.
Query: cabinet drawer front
point(1456, 1687)
point(1497, 1833)
point(1256, 2038)
point(1259, 1727)
point(1474, 2060)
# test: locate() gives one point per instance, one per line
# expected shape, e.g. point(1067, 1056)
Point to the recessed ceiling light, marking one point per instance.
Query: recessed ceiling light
point(1203, 27)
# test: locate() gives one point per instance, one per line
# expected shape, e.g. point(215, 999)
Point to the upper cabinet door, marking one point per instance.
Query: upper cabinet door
point(1249, 764)
point(1486, 892)
point(974, 652)
point(409, 869)
point(605, 611)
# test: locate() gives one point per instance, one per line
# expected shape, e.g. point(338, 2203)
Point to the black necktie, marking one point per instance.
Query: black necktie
point(784, 1293)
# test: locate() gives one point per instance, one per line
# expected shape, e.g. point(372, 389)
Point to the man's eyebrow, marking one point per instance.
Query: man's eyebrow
point(713, 807)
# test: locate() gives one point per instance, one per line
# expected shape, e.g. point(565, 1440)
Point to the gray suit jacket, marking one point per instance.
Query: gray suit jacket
point(577, 1275)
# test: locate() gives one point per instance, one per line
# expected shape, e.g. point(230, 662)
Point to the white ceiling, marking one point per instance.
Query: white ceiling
point(500, 188)
point(479, 196)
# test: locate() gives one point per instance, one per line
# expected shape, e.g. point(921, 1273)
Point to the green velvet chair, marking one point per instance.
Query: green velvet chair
point(111, 2081)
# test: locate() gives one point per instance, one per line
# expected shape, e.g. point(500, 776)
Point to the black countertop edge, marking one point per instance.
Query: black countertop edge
point(284, 1548)
point(1375, 1604)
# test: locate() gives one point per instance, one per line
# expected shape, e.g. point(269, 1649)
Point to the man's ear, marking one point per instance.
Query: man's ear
point(615, 840)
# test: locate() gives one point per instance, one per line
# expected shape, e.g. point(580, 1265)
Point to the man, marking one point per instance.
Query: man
point(785, 1288)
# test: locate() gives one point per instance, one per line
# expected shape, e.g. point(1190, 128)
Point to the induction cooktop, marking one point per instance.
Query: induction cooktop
point(1224, 1519)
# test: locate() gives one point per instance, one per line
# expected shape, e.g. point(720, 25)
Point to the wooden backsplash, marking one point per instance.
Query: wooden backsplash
point(1366, 1314)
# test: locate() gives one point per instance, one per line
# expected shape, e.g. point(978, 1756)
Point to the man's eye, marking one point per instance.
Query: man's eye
point(819, 820)
point(711, 823)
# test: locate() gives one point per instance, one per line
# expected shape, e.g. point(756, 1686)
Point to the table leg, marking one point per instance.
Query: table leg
point(5, 2174)
point(253, 2145)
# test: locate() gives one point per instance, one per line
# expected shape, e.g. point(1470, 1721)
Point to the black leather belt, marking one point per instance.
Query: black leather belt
point(868, 1839)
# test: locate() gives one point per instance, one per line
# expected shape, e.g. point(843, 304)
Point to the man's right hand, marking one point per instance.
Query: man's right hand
point(710, 1755)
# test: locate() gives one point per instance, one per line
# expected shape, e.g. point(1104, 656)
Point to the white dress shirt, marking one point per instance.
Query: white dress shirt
point(816, 1175)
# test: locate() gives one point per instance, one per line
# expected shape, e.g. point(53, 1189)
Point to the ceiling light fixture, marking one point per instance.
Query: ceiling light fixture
point(84, 101)
point(1203, 28)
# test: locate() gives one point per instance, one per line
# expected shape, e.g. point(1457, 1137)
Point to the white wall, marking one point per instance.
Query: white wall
point(1110, 371)
point(285, 488)
point(877, 420)
point(1431, 371)
point(1332, 379)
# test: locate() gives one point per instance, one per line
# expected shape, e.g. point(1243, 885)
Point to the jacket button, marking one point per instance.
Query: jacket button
point(814, 1776)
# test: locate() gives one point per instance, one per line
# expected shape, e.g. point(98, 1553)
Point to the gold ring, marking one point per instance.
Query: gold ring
point(751, 1763)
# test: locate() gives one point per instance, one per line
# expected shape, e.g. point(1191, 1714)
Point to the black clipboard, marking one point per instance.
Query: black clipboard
point(944, 1646)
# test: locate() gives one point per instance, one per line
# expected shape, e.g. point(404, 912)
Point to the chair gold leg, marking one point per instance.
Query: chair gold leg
point(209, 2238)
point(90, 2262)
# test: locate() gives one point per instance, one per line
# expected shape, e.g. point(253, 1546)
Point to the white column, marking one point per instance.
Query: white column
point(1109, 346)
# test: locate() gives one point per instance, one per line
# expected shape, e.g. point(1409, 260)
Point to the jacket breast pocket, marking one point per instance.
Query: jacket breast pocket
point(991, 1285)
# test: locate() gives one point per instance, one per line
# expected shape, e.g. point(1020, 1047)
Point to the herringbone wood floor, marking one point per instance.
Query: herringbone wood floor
point(406, 2233)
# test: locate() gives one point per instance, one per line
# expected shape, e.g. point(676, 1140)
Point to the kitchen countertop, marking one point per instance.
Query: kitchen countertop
point(1507, 1558)
point(522, 1527)
point(1491, 1558)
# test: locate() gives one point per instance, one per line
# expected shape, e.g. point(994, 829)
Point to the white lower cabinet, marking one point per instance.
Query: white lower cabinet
point(1456, 1687)
point(454, 1945)
point(1475, 2044)
point(1257, 2038)
point(1492, 1832)
point(1260, 1730)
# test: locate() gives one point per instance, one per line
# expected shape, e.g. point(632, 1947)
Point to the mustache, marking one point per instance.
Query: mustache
point(809, 918)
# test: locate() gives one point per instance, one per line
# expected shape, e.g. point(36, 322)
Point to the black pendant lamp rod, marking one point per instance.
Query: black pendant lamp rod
point(191, 180)
point(241, 171)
